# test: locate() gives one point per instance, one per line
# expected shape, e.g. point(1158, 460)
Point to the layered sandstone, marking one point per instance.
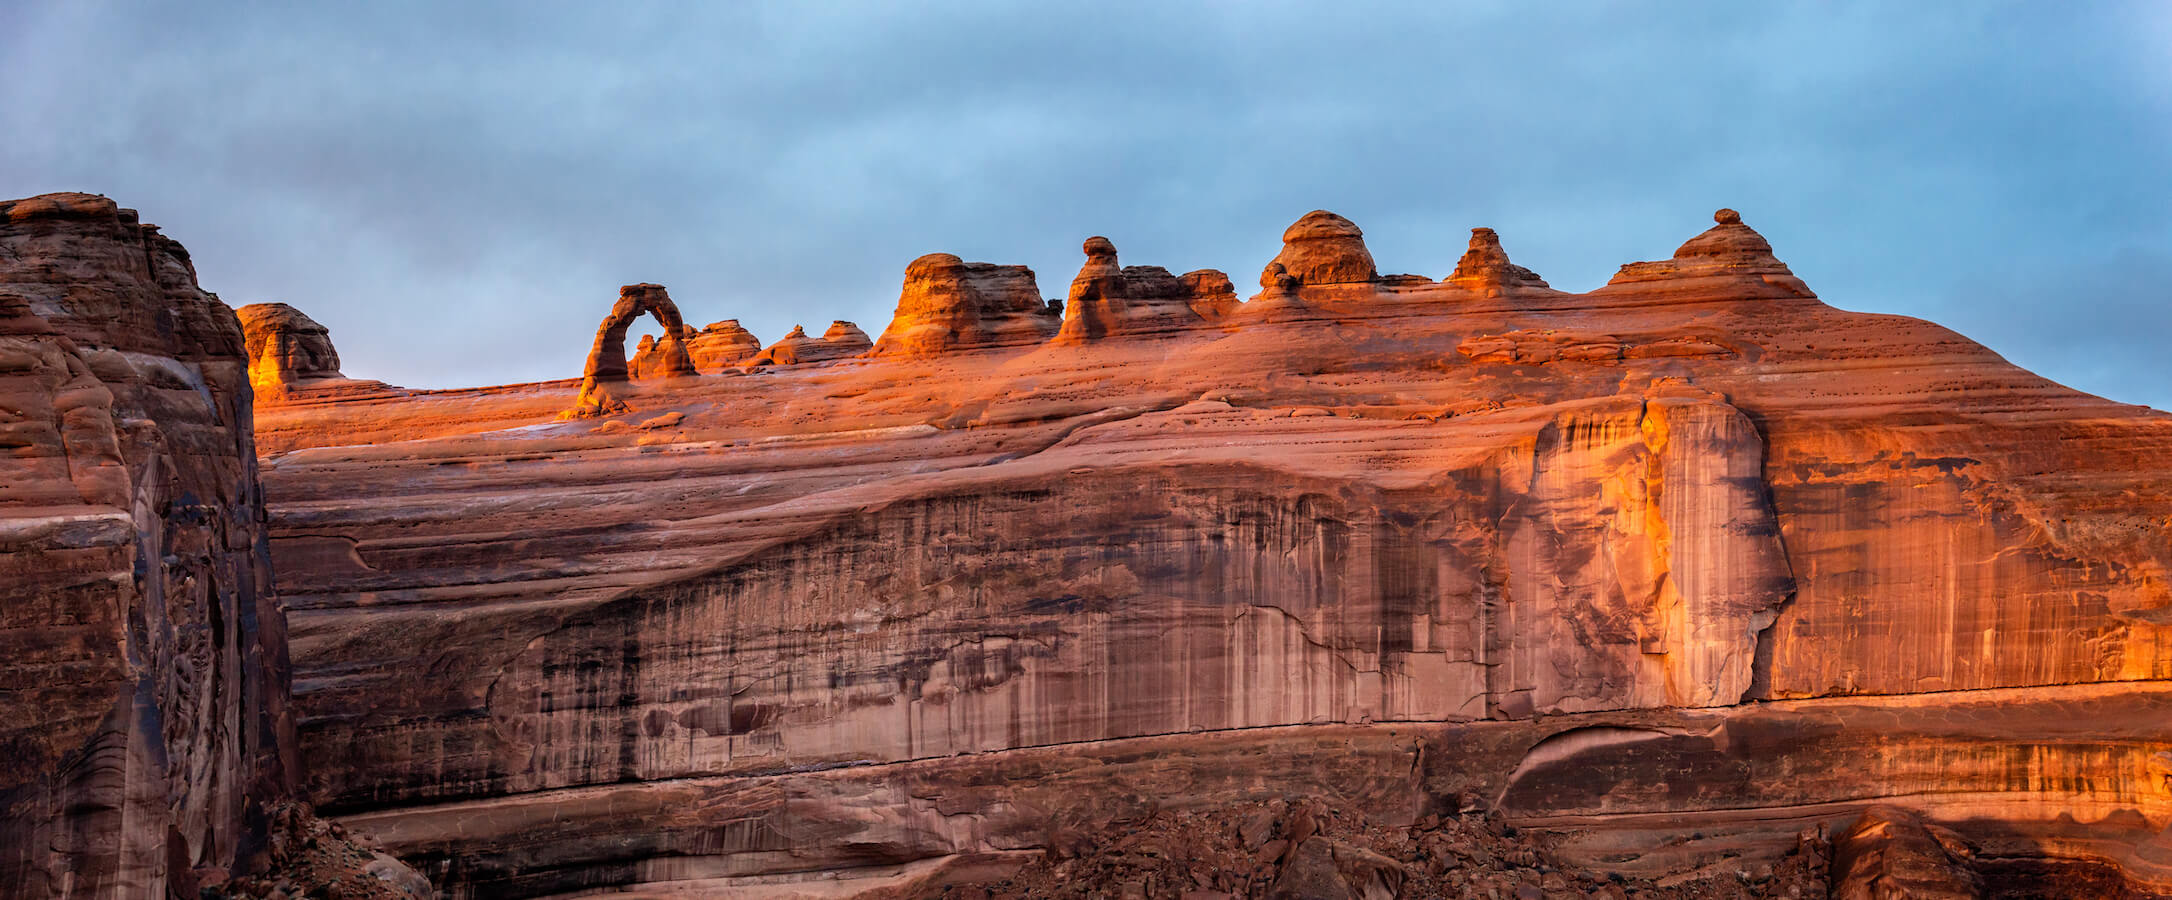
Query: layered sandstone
point(842, 339)
point(1670, 573)
point(950, 304)
point(1108, 299)
point(1324, 248)
point(1485, 268)
point(143, 661)
point(722, 345)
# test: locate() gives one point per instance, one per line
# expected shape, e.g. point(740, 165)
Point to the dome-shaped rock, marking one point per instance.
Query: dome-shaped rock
point(1324, 248)
point(948, 303)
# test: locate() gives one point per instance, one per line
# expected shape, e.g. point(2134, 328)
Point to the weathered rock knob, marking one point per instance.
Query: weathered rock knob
point(1727, 217)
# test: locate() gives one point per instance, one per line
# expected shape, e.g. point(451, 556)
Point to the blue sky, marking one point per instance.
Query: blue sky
point(457, 190)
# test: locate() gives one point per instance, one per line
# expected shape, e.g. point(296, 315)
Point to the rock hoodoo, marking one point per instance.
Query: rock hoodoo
point(607, 356)
point(1106, 299)
point(950, 304)
point(1323, 248)
point(1485, 268)
point(1099, 301)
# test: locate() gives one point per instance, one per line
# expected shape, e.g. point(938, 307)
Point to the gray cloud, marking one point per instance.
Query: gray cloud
point(458, 189)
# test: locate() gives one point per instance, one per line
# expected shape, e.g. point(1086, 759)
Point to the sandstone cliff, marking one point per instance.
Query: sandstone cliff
point(1666, 572)
point(143, 664)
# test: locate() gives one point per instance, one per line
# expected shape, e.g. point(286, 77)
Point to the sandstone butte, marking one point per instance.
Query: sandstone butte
point(1668, 581)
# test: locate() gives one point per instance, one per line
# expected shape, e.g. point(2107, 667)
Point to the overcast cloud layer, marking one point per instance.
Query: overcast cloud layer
point(457, 190)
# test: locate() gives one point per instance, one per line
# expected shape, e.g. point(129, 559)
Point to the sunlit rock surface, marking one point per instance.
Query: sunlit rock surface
point(1671, 570)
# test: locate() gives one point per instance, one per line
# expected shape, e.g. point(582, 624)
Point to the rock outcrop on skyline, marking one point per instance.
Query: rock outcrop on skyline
point(841, 340)
point(1323, 248)
point(292, 360)
point(1486, 270)
point(606, 367)
point(1108, 299)
point(143, 659)
point(949, 304)
point(1691, 585)
point(722, 345)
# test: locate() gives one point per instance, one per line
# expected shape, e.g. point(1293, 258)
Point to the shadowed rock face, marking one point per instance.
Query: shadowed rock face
point(143, 676)
point(1667, 574)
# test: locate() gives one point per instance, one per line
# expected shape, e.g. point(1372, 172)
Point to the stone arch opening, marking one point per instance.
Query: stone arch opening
point(607, 356)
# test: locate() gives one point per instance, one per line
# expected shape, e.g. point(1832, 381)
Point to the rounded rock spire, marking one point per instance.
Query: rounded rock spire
point(1727, 216)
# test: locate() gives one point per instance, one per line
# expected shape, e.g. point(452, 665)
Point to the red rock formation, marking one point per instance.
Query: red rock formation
point(291, 357)
point(846, 339)
point(1100, 299)
point(607, 356)
point(143, 674)
point(1890, 853)
point(722, 345)
point(1324, 248)
point(950, 304)
point(1106, 299)
point(1486, 270)
point(842, 339)
point(1210, 294)
point(1666, 574)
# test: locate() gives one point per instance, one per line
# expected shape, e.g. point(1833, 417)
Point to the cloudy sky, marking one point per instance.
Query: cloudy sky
point(457, 190)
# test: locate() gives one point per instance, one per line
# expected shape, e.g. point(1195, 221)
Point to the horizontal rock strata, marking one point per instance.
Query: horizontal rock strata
point(1672, 570)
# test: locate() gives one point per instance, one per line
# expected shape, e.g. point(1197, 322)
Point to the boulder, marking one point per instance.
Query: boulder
point(1892, 853)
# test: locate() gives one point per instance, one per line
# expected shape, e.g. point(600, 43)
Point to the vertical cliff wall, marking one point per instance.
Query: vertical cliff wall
point(143, 669)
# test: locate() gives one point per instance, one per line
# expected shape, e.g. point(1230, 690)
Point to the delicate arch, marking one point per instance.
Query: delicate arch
point(607, 356)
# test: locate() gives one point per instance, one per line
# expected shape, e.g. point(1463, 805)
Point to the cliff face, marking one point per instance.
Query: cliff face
point(1670, 570)
point(143, 671)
